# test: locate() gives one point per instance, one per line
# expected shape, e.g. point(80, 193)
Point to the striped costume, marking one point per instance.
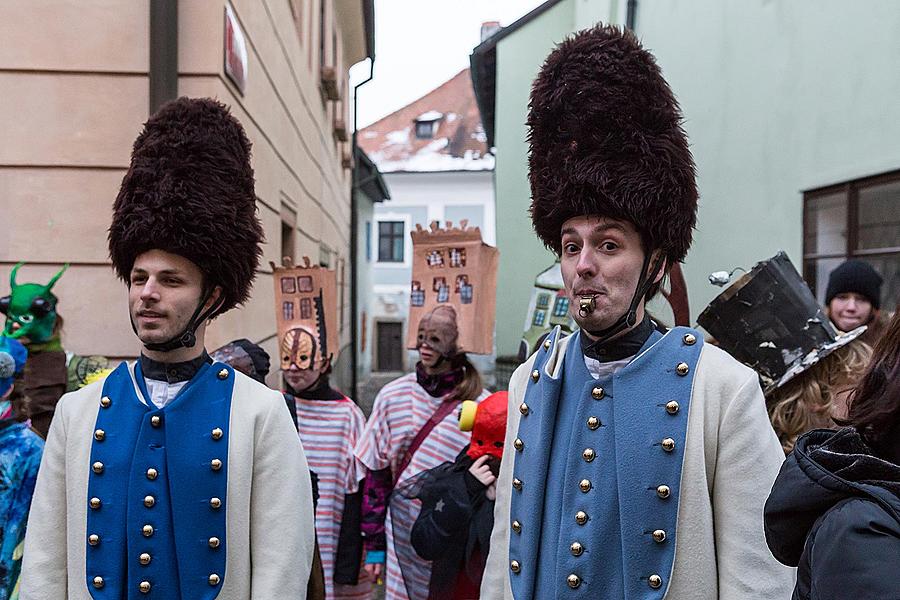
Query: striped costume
point(329, 429)
point(400, 410)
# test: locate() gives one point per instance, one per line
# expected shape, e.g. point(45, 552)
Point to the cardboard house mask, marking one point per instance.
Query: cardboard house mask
point(452, 266)
point(305, 314)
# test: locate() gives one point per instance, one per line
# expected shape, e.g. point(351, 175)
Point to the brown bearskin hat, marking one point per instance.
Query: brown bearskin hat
point(189, 191)
point(606, 139)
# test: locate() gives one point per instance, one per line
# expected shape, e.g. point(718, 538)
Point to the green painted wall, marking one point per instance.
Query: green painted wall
point(778, 97)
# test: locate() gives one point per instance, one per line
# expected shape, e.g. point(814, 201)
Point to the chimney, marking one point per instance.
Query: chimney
point(489, 28)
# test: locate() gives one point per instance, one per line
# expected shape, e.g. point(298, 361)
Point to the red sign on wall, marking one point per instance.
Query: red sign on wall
point(235, 50)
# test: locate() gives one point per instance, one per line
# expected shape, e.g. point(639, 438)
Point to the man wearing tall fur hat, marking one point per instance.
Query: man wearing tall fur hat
point(168, 478)
point(637, 459)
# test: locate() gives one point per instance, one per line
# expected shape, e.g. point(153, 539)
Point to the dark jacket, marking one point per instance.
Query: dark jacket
point(453, 529)
point(834, 512)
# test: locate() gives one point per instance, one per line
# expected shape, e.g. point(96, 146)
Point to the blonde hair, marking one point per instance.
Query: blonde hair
point(810, 400)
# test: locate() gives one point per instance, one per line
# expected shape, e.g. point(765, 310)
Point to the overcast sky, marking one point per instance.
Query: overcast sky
point(419, 44)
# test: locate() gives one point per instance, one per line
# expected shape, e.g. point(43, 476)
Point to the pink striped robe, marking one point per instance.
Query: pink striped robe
point(329, 429)
point(401, 409)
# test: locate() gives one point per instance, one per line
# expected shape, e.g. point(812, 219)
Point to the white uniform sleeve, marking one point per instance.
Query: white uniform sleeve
point(44, 565)
point(282, 529)
point(749, 457)
point(495, 583)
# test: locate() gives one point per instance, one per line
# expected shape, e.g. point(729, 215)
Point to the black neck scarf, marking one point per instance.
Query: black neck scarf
point(622, 347)
point(439, 384)
point(173, 372)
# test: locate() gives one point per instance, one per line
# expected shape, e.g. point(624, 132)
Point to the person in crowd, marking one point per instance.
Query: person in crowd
point(636, 461)
point(834, 511)
point(853, 299)
point(816, 397)
point(20, 457)
point(411, 429)
point(453, 529)
point(254, 362)
point(770, 320)
point(330, 425)
point(167, 478)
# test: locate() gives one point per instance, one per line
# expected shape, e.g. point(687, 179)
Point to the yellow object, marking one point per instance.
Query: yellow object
point(467, 415)
point(94, 376)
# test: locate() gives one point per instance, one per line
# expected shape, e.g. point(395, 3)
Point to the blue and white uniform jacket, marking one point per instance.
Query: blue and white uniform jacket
point(207, 497)
point(643, 484)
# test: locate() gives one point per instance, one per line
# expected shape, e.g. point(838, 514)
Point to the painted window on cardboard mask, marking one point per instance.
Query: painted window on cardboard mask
point(457, 257)
point(539, 317)
point(305, 284)
point(443, 290)
point(543, 301)
point(435, 258)
point(288, 286)
point(287, 310)
point(561, 308)
point(417, 294)
point(305, 308)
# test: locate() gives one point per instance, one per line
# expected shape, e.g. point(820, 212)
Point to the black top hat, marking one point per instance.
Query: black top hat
point(770, 321)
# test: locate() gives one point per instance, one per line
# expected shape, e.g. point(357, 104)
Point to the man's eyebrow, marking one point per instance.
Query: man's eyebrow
point(170, 272)
point(598, 229)
point(607, 226)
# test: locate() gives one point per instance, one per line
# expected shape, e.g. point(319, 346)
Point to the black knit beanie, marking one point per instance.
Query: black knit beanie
point(858, 277)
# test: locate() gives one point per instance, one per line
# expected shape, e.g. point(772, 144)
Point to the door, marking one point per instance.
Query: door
point(390, 346)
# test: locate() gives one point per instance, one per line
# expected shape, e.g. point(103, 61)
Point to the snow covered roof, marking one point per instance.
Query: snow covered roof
point(459, 142)
point(431, 115)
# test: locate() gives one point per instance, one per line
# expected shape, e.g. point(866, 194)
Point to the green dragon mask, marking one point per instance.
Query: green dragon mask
point(30, 309)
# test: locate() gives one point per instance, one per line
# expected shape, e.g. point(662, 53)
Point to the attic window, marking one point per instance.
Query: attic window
point(427, 124)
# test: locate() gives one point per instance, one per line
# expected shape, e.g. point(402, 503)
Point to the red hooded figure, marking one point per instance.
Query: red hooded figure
point(487, 422)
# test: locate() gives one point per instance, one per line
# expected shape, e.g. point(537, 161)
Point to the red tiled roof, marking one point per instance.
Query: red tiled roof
point(459, 143)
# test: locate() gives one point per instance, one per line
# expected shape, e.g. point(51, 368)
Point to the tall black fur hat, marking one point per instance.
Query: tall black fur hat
point(190, 191)
point(606, 139)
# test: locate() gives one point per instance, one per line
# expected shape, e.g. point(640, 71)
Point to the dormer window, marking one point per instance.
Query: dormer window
point(427, 124)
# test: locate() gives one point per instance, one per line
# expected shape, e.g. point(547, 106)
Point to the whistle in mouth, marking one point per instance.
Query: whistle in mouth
point(586, 305)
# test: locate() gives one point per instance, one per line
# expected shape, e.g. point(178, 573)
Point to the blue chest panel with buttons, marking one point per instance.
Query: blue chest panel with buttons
point(157, 489)
point(613, 450)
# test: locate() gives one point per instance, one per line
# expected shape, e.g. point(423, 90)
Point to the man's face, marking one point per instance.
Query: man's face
point(601, 257)
point(850, 310)
point(163, 294)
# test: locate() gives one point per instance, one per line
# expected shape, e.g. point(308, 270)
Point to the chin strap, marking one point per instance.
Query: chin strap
point(629, 319)
point(188, 337)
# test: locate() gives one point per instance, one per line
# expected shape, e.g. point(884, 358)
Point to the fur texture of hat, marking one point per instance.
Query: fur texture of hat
point(190, 191)
point(606, 139)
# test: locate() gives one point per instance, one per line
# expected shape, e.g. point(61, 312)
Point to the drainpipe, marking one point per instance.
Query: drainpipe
point(354, 245)
point(163, 73)
point(631, 14)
